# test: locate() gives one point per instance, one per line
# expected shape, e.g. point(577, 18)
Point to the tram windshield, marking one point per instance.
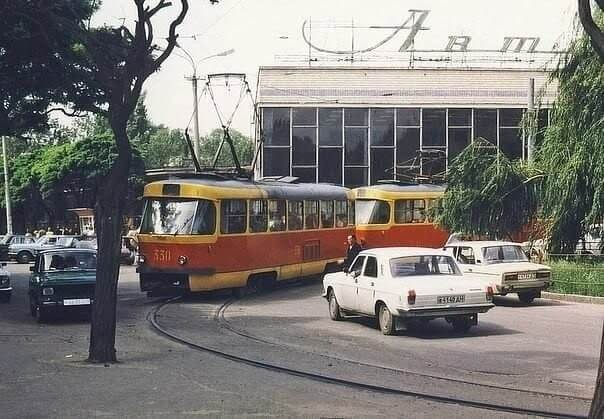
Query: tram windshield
point(371, 211)
point(179, 217)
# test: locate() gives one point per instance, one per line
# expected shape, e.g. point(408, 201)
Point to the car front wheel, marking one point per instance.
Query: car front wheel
point(335, 312)
point(386, 320)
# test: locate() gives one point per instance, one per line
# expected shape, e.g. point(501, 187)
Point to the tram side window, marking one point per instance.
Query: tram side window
point(295, 215)
point(276, 212)
point(258, 216)
point(311, 212)
point(351, 213)
point(409, 211)
point(326, 214)
point(371, 211)
point(341, 214)
point(233, 216)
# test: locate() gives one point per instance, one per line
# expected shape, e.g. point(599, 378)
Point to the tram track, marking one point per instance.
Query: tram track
point(271, 366)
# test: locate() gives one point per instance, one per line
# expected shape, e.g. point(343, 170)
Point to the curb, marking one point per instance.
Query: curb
point(572, 298)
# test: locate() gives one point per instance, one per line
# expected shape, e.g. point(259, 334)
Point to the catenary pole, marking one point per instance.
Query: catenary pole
point(531, 110)
point(9, 215)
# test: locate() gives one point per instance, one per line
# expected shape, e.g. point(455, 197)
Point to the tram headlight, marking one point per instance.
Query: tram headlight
point(182, 260)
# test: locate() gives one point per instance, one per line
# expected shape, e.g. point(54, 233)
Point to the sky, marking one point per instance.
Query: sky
point(267, 32)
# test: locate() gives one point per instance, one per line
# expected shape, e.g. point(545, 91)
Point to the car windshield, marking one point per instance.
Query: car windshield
point(503, 254)
point(72, 261)
point(172, 216)
point(423, 265)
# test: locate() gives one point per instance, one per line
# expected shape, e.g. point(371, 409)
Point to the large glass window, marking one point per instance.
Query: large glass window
point(356, 117)
point(382, 164)
point(304, 146)
point(341, 213)
point(407, 145)
point(510, 135)
point(179, 217)
point(407, 117)
point(485, 124)
point(233, 216)
point(409, 211)
point(355, 177)
point(382, 127)
point(460, 131)
point(311, 213)
point(304, 116)
point(258, 216)
point(355, 146)
point(276, 215)
point(327, 214)
point(434, 128)
point(276, 161)
point(295, 215)
point(305, 174)
point(330, 127)
point(276, 126)
point(371, 211)
point(330, 165)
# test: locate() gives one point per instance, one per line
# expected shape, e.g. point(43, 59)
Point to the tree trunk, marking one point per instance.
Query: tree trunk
point(109, 209)
point(597, 404)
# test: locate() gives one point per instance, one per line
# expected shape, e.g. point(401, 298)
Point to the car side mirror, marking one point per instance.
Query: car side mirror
point(355, 274)
point(32, 269)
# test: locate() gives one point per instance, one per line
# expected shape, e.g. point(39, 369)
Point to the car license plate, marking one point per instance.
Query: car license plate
point(447, 299)
point(77, 302)
point(527, 275)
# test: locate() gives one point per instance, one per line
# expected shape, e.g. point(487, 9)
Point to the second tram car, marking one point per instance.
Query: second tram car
point(207, 232)
point(398, 215)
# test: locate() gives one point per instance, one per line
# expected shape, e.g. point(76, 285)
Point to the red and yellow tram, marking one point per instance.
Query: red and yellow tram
point(398, 215)
point(207, 232)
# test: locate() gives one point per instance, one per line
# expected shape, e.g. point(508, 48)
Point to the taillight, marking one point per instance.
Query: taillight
point(411, 297)
point(489, 293)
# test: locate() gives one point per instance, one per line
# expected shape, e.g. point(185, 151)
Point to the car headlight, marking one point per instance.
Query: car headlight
point(4, 280)
point(48, 291)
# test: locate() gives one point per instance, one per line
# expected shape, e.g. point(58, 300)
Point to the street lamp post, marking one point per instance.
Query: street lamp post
point(194, 79)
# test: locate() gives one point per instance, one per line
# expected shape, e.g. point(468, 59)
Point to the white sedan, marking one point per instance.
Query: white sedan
point(502, 265)
point(406, 284)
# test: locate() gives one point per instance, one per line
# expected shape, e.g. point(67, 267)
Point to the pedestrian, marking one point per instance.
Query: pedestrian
point(352, 250)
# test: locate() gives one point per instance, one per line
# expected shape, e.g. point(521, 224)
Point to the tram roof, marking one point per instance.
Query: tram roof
point(216, 188)
point(400, 191)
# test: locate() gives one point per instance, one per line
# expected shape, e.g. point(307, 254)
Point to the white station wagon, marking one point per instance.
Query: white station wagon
point(502, 265)
point(406, 283)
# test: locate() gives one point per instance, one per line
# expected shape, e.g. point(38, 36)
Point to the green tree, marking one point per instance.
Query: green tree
point(209, 145)
point(37, 59)
point(488, 194)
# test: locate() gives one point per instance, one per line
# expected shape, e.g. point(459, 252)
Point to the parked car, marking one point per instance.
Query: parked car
point(502, 265)
point(406, 284)
point(61, 279)
point(26, 251)
point(127, 252)
point(5, 288)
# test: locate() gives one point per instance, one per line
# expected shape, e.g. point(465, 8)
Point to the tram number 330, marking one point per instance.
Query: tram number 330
point(162, 255)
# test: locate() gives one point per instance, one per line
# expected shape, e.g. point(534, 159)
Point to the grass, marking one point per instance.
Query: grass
point(578, 277)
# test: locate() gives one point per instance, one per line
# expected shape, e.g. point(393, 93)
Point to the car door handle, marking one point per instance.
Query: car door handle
point(372, 284)
point(356, 281)
point(470, 270)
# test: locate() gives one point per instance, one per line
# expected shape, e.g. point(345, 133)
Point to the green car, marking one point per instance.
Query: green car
point(62, 279)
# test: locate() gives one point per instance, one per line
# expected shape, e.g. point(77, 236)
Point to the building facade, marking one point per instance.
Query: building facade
point(356, 126)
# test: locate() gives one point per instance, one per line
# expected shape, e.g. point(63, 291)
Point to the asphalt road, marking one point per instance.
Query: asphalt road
point(548, 347)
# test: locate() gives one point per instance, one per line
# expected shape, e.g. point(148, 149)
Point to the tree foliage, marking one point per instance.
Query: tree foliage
point(37, 59)
point(572, 154)
point(488, 194)
point(243, 147)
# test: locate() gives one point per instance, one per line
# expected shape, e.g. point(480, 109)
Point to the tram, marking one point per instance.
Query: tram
point(204, 232)
point(399, 215)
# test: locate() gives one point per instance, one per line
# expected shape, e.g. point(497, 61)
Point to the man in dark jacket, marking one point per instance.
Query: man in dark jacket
point(352, 250)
